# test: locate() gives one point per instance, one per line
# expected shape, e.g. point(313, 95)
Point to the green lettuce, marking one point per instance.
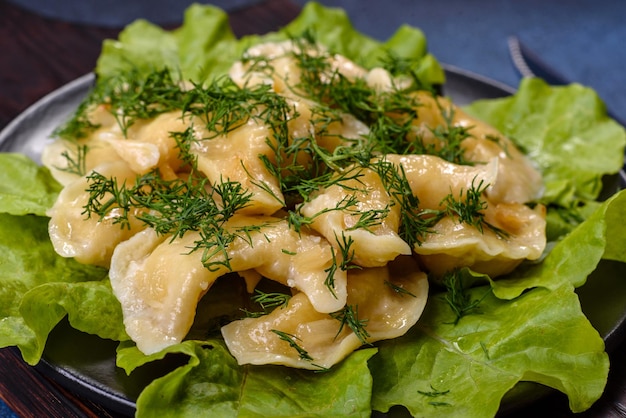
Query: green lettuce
point(212, 384)
point(38, 289)
point(528, 327)
point(25, 187)
point(204, 47)
point(442, 369)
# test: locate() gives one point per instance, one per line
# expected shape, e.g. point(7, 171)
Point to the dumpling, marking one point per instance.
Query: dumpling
point(432, 178)
point(303, 261)
point(98, 149)
point(518, 180)
point(56, 157)
point(373, 245)
point(283, 70)
point(323, 340)
point(150, 144)
point(158, 284)
point(159, 281)
point(453, 245)
point(235, 157)
point(89, 240)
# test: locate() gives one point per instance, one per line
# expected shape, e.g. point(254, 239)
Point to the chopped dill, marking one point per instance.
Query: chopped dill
point(292, 341)
point(76, 164)
point(268, 302)
point(434, 393)
point(349, 316)
point(399, 289)
point(172, 207)
point(469, 208)
point(458, 296)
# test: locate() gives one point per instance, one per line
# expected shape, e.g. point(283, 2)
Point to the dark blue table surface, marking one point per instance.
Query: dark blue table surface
point(581, 39)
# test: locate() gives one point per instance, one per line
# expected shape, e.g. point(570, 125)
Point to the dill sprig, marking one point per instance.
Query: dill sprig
point(330, 271)
point(131, 96)
point(79, 125)
point(292, 340)
point(173, 207)
point(268, 302)
point(435, 393)
point(75, 164)
point(271, 300)
point(415, 223)
point(344, 244)
point(469, 208)
point(370, 218)
point(390, 114)
point(458, 296)
point(399, 289)
point(349, 317)
point(184, 141)
point(225, 106)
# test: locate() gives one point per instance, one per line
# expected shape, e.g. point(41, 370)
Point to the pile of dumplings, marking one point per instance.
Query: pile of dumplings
point(159, 281)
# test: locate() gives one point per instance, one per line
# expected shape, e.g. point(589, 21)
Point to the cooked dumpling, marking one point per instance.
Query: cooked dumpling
point(328, 131)
point(89, 240)
point(158, 284)
point(453, 244)
point(235, 157)
point(159, 281)
point(150, 144)
point(432, 178)
point(57, 155)
point(303, 260)
point(388, 300)
point(518, 180)
point(86, 153)
point(372, 245)
point(283, 71)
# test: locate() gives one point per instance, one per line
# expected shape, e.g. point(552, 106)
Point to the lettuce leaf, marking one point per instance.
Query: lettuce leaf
point(38, 288)
point(212, 384)
point(442, 369)
point(204, 47)
point(530, 329)
point(25, 187)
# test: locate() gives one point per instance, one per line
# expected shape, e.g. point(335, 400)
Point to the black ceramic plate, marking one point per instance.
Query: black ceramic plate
point(85, 364)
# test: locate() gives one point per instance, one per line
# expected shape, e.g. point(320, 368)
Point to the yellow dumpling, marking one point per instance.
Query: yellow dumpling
point(89, 240)
point(453, 244)
point(235, 157)
point(388, 300)
point(159, 281)
point(372, 245)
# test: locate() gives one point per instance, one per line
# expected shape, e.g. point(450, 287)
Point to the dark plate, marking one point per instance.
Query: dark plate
point(85, 364)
